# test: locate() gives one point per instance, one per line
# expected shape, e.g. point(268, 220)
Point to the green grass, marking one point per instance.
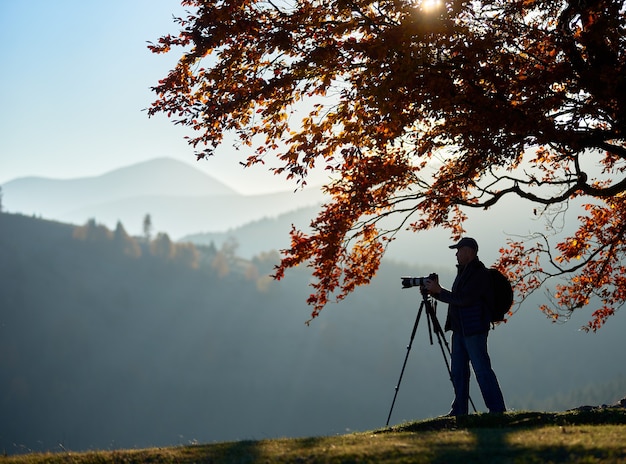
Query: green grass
point(585, 436)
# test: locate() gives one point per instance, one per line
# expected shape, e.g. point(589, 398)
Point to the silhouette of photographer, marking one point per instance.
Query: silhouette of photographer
point(468, 319)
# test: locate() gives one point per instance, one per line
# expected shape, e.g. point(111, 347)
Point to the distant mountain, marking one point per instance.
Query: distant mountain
point(158, 177)
point(188, 204)
point(427, 248)
point(179, 198)
point(260, 236)
point(272, 233)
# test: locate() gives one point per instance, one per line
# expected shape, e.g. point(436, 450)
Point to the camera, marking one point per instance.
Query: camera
point(408, 282)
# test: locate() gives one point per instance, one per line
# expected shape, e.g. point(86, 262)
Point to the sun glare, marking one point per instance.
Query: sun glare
point(430, 5)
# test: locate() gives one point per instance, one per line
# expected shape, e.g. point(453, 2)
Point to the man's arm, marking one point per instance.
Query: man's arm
point(470, 292)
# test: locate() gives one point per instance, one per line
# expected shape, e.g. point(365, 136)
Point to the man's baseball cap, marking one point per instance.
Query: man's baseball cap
point(466, 242)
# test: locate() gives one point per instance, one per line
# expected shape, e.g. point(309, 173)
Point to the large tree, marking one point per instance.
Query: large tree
point(422, 110)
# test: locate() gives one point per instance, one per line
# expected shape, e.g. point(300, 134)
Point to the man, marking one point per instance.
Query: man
point(468, 318)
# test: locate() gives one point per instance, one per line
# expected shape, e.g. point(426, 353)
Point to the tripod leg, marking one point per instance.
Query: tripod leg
point(408, 350)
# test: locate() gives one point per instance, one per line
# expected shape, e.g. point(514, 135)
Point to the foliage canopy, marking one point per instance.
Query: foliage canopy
point(422, 110)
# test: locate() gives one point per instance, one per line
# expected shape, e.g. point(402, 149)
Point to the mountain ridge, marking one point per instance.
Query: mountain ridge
point(179, 198)
point(156, 176)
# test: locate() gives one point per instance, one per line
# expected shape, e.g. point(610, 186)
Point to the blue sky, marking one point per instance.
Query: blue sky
point(76, 76)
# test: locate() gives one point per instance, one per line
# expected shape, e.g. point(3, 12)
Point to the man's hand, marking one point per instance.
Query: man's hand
point(433, 287)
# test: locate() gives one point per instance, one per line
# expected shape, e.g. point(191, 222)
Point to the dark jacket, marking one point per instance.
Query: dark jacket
point(469, 299)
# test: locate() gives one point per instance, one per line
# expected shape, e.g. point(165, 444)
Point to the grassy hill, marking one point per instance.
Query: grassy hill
point(593, 435)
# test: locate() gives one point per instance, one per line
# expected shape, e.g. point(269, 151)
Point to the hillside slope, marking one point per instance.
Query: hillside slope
point(595, 436)
point(103, 346)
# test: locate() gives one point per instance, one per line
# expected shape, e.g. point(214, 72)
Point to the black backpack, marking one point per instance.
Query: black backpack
point(502, 295)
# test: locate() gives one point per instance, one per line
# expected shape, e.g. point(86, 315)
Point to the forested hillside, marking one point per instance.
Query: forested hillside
point(111, 341)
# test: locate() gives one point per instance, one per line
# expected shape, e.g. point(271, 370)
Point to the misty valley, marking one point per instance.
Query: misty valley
point(115, 341)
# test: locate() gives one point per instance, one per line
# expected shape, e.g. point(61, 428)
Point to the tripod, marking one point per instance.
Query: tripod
point(433, 326)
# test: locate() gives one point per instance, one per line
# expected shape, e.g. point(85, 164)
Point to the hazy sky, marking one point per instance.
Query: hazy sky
point(76, 76)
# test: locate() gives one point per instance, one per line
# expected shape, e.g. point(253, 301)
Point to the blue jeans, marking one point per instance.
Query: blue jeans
point(473, 349)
